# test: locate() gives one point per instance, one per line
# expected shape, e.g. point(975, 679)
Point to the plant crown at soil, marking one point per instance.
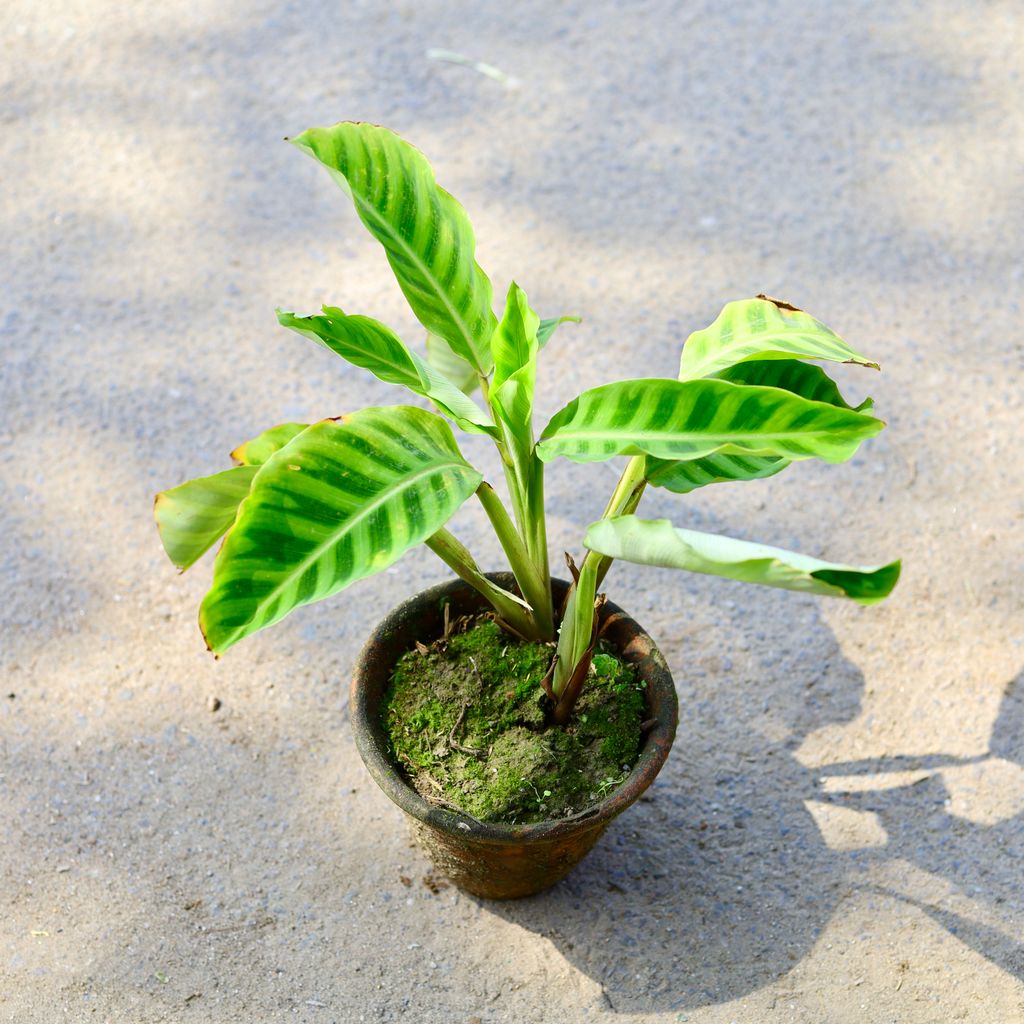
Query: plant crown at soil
point(466, 722)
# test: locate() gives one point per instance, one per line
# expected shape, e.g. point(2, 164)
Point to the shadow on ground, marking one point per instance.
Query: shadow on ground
point(724, 868)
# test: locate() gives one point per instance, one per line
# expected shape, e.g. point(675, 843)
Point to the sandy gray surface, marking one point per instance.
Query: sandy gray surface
point(840, 833)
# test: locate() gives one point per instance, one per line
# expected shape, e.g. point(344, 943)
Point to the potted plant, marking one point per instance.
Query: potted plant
point(311, 509)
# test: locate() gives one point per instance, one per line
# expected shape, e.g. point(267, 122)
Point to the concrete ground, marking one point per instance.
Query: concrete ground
point(839, 835)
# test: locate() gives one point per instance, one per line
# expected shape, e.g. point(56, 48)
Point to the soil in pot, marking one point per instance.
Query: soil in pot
point(466, 720)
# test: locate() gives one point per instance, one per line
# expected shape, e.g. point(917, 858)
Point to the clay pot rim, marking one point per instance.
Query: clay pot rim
point(372, 744)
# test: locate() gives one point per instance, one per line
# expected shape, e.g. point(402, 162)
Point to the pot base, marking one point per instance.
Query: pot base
point(506, 870)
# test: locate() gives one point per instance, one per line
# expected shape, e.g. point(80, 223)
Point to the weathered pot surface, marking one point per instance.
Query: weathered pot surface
point(490, 860)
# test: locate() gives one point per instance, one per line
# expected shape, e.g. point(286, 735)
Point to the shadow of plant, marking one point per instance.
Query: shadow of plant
point(723, 867)
point(720, 866)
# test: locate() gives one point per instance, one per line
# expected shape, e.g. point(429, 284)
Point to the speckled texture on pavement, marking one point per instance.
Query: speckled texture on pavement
point(839, 835)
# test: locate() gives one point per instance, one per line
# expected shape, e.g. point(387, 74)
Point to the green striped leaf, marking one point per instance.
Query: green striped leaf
point(191, 518)
point(657, 542)
point(672, 419)
point(425, 232)
point(343, 500)
point(371, 345)
point(682, 477)
point(803, 379)
point(761, 329)
point(259, 449)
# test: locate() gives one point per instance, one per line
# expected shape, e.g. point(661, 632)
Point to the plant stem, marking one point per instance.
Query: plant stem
point(537, 538)
point(524, 474)
point(623, 502)
point(525, 478)
point(536, 587)
point(577, 622)
point(455, 554)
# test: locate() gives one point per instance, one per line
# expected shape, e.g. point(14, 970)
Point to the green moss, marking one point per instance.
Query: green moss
point(466, 721)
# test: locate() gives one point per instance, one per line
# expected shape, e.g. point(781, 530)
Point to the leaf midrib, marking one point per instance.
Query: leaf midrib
point(427, 272)
point(634, 435)
point(407, 370)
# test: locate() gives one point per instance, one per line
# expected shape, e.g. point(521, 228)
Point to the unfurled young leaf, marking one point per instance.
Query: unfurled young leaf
point(657, 542)
point(343, 500)
point(514, 347)
point(515, 371)
point(425, 232)
point(514, 344)
point(672, 419)
point(369, 344)
point(761, 329)
point(576, 635)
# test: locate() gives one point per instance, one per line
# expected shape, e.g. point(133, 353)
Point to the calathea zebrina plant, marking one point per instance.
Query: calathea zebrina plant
point(311, 509)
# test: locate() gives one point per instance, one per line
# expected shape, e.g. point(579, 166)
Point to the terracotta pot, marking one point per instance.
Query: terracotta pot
point(501, 861)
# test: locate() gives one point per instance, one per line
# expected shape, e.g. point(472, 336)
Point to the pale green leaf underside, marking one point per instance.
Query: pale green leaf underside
point(259, 449)
point(688, 420)
point(803, 379)
point(759, 329)
point(425, 232)
point(342, 501)
point(192, 517)
point(371, 345)
point(455, 368)
point(657, 542)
